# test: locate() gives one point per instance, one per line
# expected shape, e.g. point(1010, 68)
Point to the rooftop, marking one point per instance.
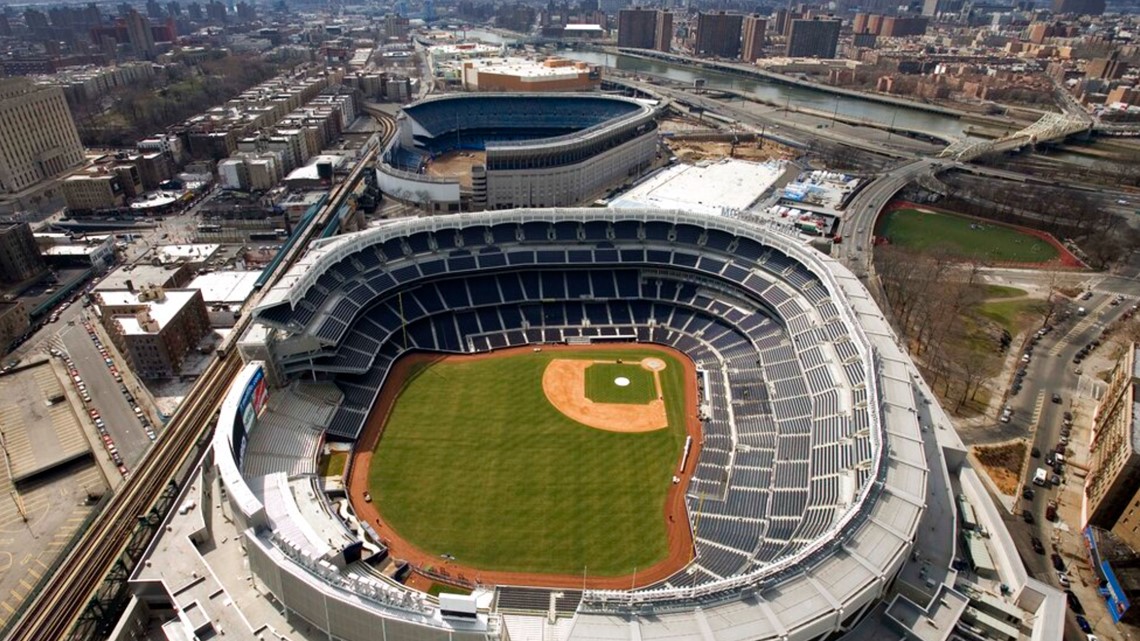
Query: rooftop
point(162, 310)
point(527, 68)
point(225, 287)
point(712, 189)
point(196, 252)
point(137, 276)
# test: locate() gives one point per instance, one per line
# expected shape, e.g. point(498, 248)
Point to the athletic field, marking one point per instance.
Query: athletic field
point(476, 462)
point(963, 237)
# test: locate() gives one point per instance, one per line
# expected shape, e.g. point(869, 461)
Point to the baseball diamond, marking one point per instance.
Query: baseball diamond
point(476, 465)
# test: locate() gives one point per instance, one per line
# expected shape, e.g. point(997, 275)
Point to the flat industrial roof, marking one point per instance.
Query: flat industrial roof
point(70, 250)
point(714, 188)
point(225, 287)
point(138, 275)
point(524, 68)
point(175, 253)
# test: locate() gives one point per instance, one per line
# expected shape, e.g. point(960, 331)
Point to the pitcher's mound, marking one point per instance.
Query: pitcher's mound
point(564, 383)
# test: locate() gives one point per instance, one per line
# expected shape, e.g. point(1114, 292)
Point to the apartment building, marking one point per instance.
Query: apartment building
point(20, 257)
point(1112, 487)
point(155, 328)
point(813, 38)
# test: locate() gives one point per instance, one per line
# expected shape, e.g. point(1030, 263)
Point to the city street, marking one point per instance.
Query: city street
point(1051, 371)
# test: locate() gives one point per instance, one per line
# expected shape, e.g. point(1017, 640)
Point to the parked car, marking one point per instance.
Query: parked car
point(1038, 546)
point(1027, 516)
point(1035, 452)
point(1063, 579)
point(1056, 397)
point(1083, 624)
point(1074, 602)
point(1058, 562)
point(1027, 494)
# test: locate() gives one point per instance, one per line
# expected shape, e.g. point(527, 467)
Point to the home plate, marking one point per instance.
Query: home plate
point(621, 381)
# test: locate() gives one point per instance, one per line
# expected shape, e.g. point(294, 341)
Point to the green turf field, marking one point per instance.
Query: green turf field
point(962, 237)
point(476, 463)
point(601, 388)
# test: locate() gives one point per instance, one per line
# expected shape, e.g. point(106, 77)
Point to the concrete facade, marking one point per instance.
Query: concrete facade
point(38, 139)
point(1111, 488)
point(19, 256)
point(813, 38)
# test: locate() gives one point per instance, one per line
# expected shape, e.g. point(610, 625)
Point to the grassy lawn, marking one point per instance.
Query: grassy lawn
point(333, 464)
point(437, 589)
point(964, 238)
point(602, 388)
point(1001, 291)
point(1012, 315)
point(475, 462)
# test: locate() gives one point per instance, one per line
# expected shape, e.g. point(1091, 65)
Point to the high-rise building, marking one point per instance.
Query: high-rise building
point(20, 258)
point(663, 32)
point(39, 139)
point(753, 35)
point(636, 28)
point(813, 38)
point(1079, 7)
point(1112, 486)
point(931, 8)
point(718, 34)
point(35, 20)
point(859, 25)
point(903, 26)
point(140, 36)
point(1110, 68)
point(874, 24)
point(781, 26)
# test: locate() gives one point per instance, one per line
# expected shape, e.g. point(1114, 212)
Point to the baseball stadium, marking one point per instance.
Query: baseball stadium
point(629, 424)
point(472, 152)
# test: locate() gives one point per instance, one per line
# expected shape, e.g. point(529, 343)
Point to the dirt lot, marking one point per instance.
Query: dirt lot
point(1003, 463)
point(457, 164)
point(697, 150)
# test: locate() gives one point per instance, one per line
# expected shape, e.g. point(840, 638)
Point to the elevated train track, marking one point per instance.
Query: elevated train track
point(83, 596)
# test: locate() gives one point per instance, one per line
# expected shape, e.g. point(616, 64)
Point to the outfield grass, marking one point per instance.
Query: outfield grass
point(476, 463)
point(962, 237)
point(601, 388)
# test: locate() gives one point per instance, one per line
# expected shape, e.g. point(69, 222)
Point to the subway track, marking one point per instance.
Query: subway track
point(386, 121)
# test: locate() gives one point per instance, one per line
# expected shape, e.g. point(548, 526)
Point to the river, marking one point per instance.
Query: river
point(779, 94)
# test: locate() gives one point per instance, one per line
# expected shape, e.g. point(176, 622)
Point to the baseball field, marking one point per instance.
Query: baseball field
point(551, 462)
point(963, 237)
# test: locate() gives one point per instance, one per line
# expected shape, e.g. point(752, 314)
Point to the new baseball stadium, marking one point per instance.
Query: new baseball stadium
point(472, 152)
point(579, 424)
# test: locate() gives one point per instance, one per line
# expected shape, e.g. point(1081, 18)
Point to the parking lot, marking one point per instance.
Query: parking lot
point(114, 405)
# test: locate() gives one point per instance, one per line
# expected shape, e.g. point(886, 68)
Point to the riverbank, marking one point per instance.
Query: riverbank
point(771, 76)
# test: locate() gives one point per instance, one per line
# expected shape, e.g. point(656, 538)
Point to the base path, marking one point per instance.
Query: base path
point(564, 383)
point(679, 533)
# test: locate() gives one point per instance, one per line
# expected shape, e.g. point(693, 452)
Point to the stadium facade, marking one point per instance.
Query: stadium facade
point(824, 496)
point(542, 150)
